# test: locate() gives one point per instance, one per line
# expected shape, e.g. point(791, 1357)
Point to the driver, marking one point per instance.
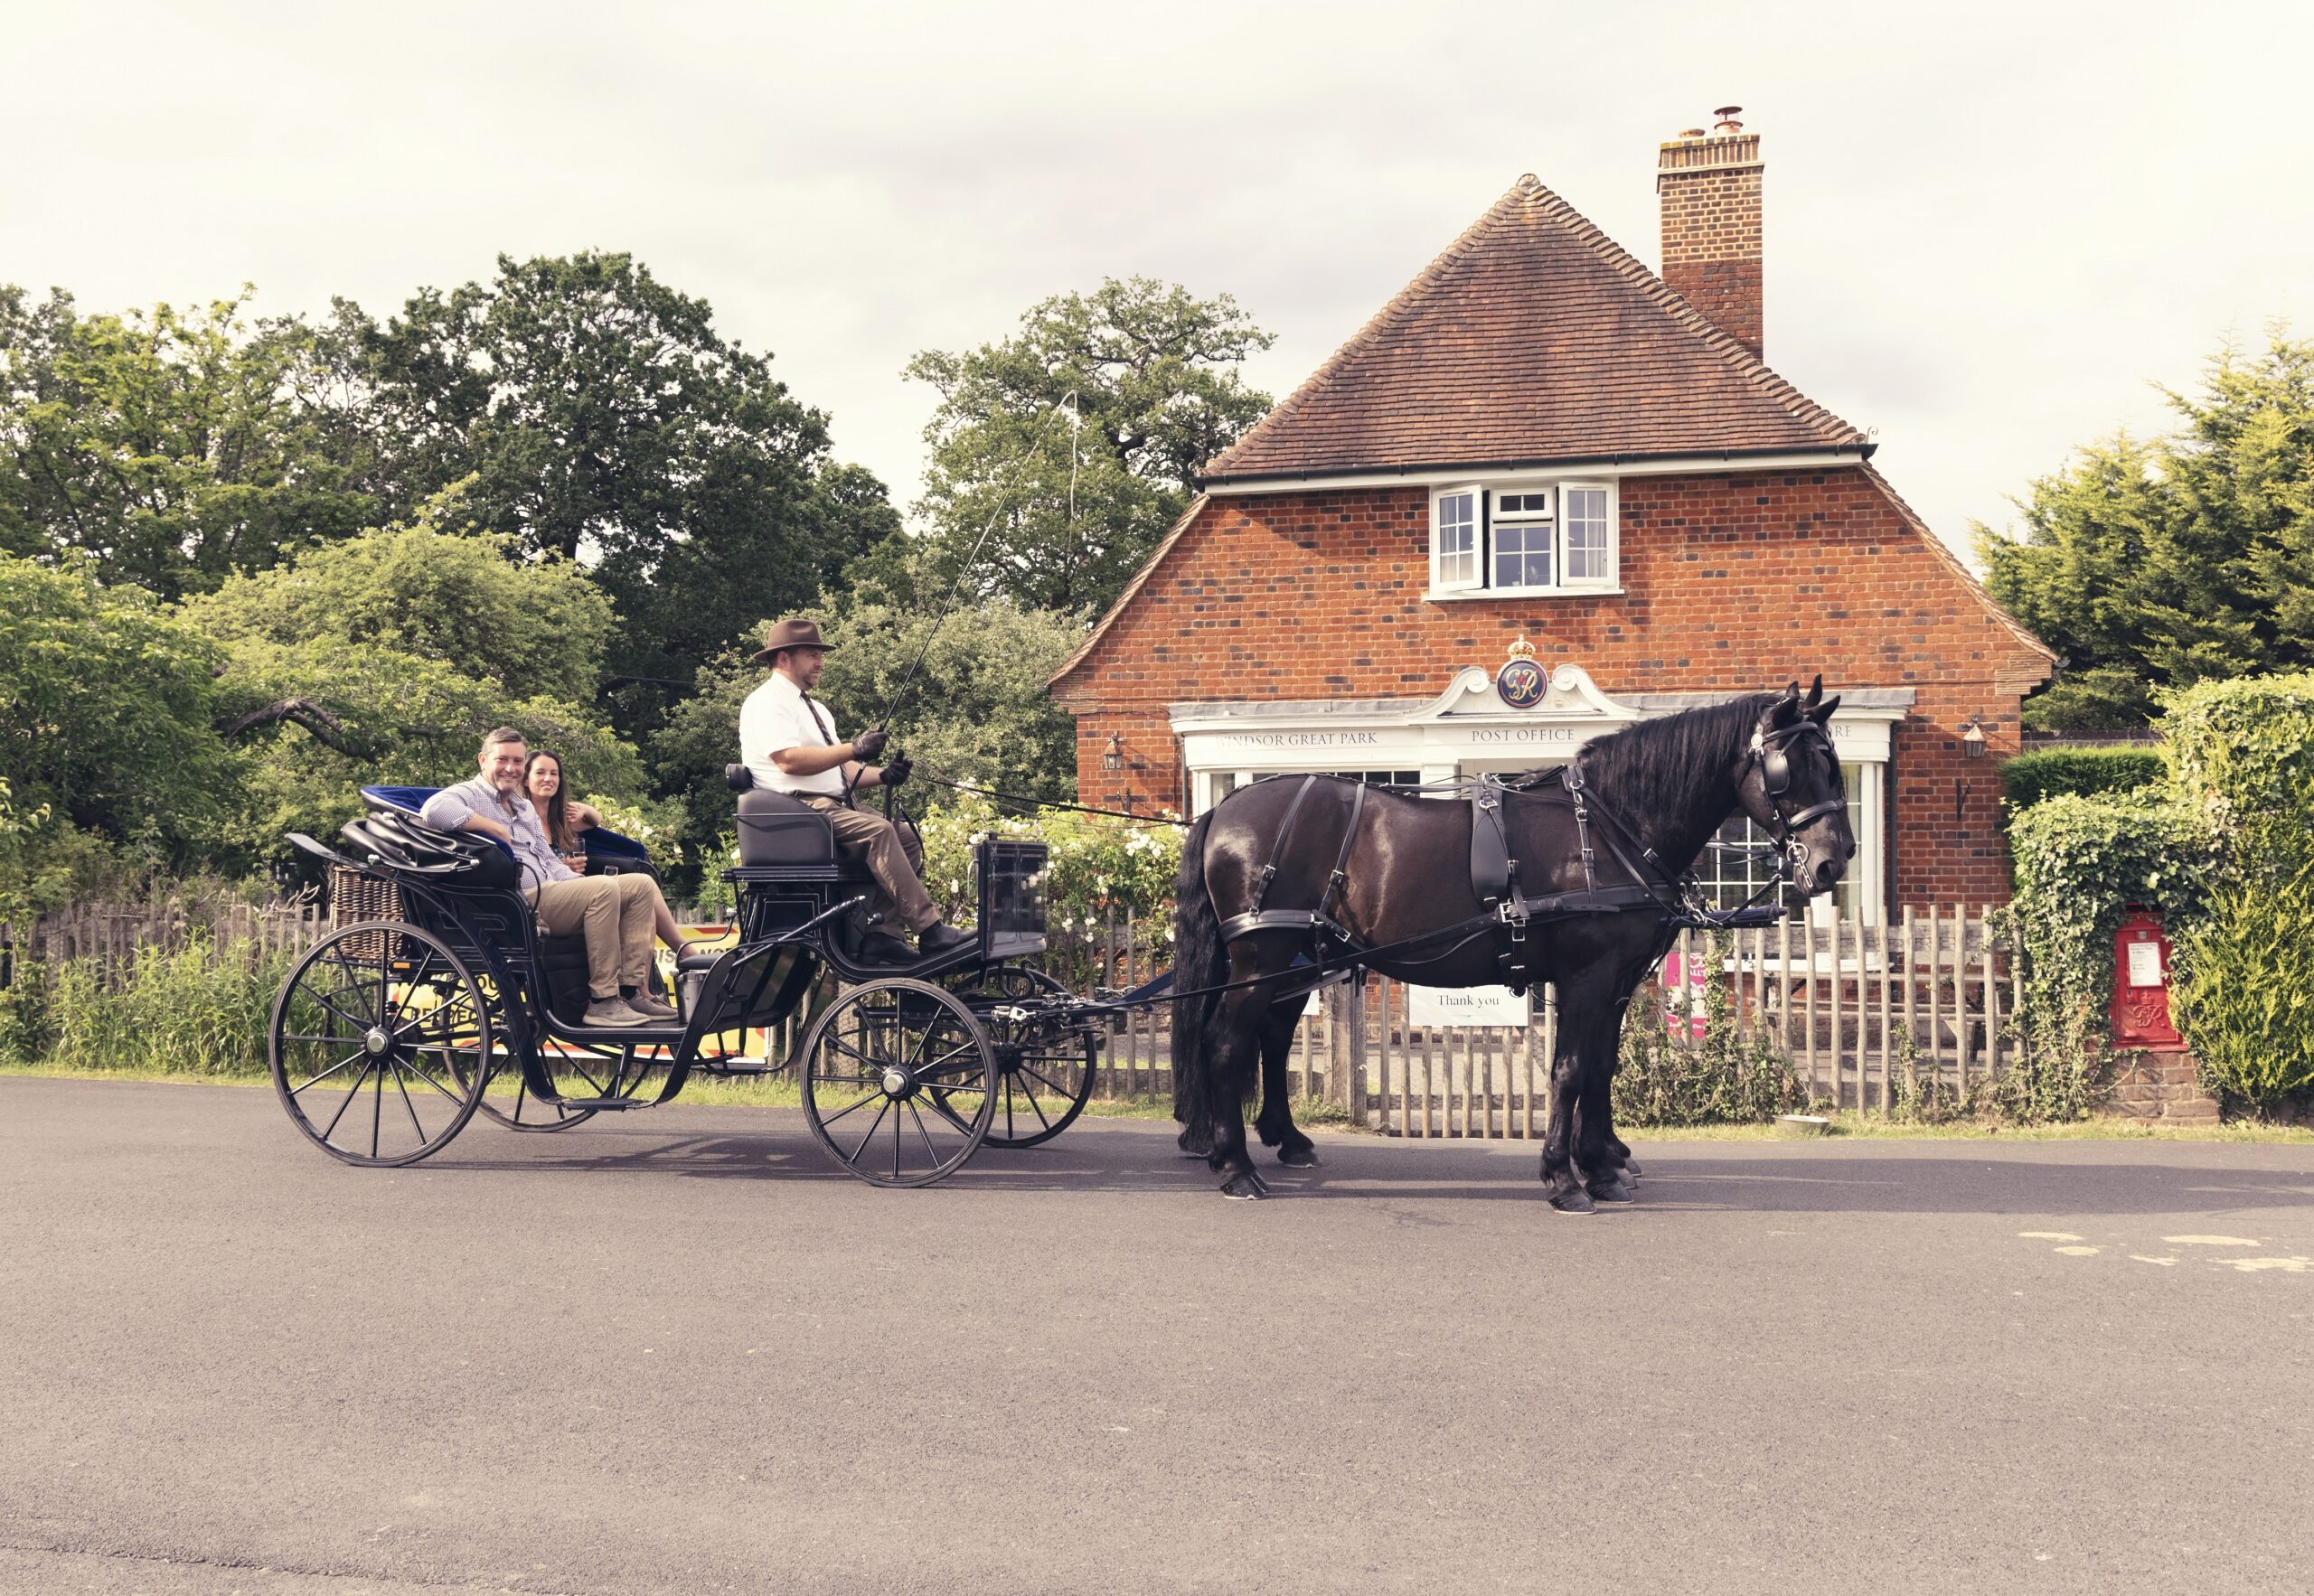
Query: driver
point(787, 741)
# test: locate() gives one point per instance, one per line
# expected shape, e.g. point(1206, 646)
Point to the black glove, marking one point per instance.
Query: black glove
point(868, 744)
point(896, 771)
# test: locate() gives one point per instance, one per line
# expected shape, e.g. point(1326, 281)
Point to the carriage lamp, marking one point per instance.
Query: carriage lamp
point(1972, 739)
point(1112, 756)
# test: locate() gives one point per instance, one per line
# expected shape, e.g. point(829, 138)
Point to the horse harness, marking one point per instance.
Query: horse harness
point(1495, 867)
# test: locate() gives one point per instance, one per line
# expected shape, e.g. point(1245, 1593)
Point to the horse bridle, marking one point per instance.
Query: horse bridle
point(1771, 756)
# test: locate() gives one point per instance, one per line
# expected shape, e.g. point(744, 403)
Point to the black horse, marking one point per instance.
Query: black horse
point(1399, 897)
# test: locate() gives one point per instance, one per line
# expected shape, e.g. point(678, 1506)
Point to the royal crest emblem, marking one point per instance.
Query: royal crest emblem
point(1521, 683)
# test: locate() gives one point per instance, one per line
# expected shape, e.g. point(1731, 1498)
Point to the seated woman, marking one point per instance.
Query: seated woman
point(565, 819)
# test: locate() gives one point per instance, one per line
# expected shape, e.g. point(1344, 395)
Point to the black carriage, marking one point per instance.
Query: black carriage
point(436, 996)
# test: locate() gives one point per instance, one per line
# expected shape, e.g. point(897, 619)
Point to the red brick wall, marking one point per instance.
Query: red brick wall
point(1733, 582)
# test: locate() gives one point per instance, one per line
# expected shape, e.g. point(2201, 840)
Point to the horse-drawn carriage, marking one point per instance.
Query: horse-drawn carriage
point(436, 996)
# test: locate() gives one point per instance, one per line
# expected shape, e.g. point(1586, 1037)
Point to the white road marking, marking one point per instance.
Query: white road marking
point(2074, 1252)
point(2141, 1258)
point(2047, 1235)
point(2256, 1265)
point(2211, 1241)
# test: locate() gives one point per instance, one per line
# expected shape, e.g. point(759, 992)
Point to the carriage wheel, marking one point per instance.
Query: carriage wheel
point(876, 1064)
point(379, 1044)
point(1042, 1082)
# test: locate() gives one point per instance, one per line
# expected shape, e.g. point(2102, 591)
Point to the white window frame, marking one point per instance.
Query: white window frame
point(1487, 497)
point(1477, 580)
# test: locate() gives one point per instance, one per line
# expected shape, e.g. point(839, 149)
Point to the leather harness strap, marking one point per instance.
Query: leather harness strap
point(1319, 922)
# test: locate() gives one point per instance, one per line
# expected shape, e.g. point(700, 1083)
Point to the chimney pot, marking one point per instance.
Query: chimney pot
point(1690, 133)
point(1727, 123)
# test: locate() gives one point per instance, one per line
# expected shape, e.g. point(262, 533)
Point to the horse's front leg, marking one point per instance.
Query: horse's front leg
point(1275, 1124)
point(1561, 1182)
point(1233, 1045)
point(1597, 1151)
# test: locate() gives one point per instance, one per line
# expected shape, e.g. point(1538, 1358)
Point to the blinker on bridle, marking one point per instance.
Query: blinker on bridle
point(1772, 758)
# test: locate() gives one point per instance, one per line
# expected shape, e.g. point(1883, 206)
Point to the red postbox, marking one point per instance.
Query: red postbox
point(2141, 985)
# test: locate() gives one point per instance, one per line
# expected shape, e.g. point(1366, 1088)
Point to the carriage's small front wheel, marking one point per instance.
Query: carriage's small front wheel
point(899, 1082)
point(379, 1044)
point(1044, 1077)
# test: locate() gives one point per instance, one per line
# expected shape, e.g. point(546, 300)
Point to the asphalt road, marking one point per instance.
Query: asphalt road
point(681, 1353)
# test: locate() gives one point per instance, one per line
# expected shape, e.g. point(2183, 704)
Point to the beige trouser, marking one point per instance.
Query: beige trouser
point(615, 914)
point(895, 857)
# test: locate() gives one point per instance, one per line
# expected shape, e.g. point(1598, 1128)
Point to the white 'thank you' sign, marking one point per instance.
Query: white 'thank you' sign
point(1469, 1005)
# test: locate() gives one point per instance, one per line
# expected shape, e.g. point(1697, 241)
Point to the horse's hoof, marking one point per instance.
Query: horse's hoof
point(1299, 1158)
point(1247, 1188)
point(1631, 1170)
point(1573, 1202)
point(1611, 1191)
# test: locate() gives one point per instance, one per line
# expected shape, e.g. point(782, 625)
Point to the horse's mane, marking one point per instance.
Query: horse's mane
point(1661, 756)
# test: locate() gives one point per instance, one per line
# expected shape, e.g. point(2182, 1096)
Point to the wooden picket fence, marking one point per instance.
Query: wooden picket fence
point(1851, 1008)
point(114, 935)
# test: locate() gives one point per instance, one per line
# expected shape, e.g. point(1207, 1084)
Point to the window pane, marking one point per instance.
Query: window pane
point(1538, 567)
point(1587, 535)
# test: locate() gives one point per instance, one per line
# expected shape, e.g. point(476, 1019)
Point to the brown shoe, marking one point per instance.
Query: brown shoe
point(612, 1011)
point(651, 1007)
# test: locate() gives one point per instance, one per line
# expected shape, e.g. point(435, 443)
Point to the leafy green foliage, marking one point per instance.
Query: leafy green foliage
point(2184, 559)
point(2243, 751)
point(1720, 1078)
point(2243, 1004)
point(104, 702)
point(539, 629)
point(1152, 373)
point(2044, 772)
point(390, 646)
point(2079, 863)
point(173, 446)
point(201, 1011)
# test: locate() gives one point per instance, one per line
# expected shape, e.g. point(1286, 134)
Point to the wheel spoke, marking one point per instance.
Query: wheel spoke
point(411, 1066)
point(826, 1120)
point(377, 1110)
point(871, 1136)
point(349, 1097)
point(331, 1070)
point(948, 1058)
point(400, 1086)
point(930, 1151)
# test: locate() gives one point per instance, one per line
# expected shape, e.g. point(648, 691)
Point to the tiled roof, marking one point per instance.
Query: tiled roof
point(1534, 338)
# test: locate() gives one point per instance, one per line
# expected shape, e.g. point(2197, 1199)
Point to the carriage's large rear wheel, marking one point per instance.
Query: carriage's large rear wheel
point(874, 1062)
point(379, 1045)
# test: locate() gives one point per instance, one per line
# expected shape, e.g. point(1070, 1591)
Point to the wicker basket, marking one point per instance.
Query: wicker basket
point(355, 897)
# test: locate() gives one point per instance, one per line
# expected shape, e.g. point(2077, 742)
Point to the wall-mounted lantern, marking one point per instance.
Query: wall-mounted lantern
point(1972, 739)
point(1112, 756)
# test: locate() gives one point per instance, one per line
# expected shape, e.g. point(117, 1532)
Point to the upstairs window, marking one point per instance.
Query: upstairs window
point(1454, 540)
point(1523, 538)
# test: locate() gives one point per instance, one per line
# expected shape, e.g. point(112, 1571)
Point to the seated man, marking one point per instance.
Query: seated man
point(787, 741)
point(613, 912)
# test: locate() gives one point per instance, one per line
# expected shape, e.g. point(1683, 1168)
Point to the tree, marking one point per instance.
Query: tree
point(384, 659)
point(602, 419)
point(1078, 437)
point(106, 701)
point(173, 447)
point(538, 629)
point(2181, 560)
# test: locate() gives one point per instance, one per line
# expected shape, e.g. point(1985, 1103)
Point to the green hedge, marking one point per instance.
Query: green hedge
point(2243, 751)
point(2045, 773)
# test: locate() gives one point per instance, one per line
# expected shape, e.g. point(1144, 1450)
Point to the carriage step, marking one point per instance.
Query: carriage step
point(727, 1071)
point(608, 1102)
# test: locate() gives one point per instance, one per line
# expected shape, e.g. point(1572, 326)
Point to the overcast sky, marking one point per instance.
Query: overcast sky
point(1990, 230)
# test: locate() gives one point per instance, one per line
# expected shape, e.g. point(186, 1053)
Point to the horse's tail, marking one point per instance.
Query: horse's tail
point(1200, 960)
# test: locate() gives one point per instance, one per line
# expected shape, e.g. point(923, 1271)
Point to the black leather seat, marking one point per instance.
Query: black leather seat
point(775, 829)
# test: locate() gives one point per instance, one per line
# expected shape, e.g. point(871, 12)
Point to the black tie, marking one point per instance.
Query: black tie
point(827, 737)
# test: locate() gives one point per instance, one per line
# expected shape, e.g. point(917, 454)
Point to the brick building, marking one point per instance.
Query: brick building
point(1540, 439)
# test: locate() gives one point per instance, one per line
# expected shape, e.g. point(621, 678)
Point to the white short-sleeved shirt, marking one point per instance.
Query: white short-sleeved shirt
point(775, 716)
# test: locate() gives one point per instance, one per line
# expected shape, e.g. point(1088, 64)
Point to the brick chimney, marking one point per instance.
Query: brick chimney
point(1708, 184)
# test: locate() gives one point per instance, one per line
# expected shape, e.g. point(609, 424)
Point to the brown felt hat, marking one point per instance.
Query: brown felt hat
point(793, 633)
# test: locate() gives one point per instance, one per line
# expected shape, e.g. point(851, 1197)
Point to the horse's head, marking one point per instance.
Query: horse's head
point(1788, 780)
